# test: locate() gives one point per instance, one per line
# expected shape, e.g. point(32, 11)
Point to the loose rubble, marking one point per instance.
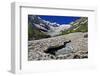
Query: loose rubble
point(76, 49)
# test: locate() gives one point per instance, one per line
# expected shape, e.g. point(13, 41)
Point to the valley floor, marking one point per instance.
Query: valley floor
point(76, 49)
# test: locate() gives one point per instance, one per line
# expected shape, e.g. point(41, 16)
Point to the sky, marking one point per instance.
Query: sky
point(59, 19)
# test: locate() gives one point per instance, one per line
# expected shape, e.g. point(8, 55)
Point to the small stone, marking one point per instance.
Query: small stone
point(76, 57)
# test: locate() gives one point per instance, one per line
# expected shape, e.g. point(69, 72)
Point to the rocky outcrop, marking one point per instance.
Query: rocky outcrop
point(77, 48)
point(47, 27)
point(40, 24)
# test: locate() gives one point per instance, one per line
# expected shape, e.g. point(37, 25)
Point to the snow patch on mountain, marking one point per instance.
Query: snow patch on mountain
point(57, 30)
point(48, 27)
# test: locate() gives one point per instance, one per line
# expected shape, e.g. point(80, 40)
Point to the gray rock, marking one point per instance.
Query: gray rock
point(66, 50)
point(77, 46)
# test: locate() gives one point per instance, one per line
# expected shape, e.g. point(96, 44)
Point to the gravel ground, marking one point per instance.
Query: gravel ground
point(76, 49)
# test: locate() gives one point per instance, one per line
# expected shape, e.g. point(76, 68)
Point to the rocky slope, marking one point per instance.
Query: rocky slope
point(39, 28)
point(77, 48)
point(44, 27)
point(80, 25)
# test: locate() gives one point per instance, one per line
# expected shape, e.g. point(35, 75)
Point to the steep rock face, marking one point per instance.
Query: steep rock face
point(37, 28)
point(46, 27)
point(41, 24)
point(77, 48)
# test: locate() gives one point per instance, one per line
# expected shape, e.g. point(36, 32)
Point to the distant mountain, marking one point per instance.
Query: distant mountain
point(44, 27)
point(58, 30)
point(41, 24)
point(80, 25)
point(39, 28)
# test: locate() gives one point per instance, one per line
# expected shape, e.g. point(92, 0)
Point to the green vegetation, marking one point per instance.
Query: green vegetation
point(67, 32)
point(35, 34)
point(83, 28)
point(30, 31)
point(79, 28)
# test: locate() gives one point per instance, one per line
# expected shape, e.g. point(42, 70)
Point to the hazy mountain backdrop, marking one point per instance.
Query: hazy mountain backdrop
point(39, 28)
